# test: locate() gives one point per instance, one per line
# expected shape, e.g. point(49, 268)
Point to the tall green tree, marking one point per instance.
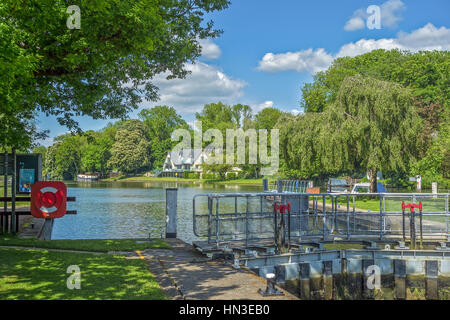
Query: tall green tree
point(267, 118)
point(160, 122)
point(131, 149)
point(426, 73)
point(104, 68)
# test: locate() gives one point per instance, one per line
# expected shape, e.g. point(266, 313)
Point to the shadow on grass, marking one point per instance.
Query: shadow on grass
point(29, 275)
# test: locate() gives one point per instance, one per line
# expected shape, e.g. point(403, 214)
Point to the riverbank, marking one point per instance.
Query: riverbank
point(186, 180)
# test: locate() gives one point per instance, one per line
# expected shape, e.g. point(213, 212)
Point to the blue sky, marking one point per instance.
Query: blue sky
point(270, 49)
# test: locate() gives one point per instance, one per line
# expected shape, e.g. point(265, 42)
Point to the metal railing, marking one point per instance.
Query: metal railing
point(296, 186)
point(250, 216)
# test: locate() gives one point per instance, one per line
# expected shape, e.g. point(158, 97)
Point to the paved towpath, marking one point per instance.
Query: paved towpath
point(183, 273)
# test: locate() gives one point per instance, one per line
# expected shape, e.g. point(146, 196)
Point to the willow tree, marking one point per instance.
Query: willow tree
point(299, 144)
point(372, 125)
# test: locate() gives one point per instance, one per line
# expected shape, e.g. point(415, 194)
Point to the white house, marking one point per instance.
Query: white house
point(185, 160)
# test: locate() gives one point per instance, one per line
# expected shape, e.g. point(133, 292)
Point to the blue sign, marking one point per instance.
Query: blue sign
point(26, 179)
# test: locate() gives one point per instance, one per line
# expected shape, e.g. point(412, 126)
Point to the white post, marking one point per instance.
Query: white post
point(434, 189)
point(419, 183)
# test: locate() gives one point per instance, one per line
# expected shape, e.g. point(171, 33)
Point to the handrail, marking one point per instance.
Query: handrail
point(328, 216)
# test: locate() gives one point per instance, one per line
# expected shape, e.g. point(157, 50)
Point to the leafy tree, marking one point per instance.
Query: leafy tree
point(102, 69)
point(216, 116)
point(267, 118)
point(299, 141)
point(426, 73)
point(242, 116)
point(160, 122)
point(131, 149)
point(63, 159)
point(97, 153)
point(372, 125)
point(220, 169)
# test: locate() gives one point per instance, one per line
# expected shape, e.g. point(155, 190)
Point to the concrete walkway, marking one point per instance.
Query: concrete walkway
point(32, 232)
point(183, 273)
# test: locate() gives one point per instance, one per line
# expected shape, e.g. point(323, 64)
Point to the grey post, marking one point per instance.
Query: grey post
point(171, 212)
point(279, 186)
point(46, 232)
point(265, 185)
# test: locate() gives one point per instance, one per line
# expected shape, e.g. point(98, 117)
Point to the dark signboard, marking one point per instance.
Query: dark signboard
point(28, 170)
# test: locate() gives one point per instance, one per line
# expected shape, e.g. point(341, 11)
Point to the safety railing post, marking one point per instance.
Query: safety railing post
point(348, 217)
point(381, 217)
point(324, 218)
point(246, 223)
point(447, 217)
point(275, 227)
point(209, 218)
point(354, 215)
point(217, 222)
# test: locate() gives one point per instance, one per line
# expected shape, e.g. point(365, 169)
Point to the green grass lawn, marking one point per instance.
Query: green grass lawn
point(86, 245)
point(32, 274)
point(183, 180)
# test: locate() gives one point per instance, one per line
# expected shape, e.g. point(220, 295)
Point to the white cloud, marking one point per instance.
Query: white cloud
point(426, 38)
point(204, 85)
point(357, 21)
point(389, 11)
point(363, 46)
point(296, 112)
point(307, 60)
point(258, 107)
point(210, 50)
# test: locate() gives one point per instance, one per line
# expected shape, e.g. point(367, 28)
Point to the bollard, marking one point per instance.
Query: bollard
point(305, 271)
point(434, 189)
point(265, 185)
point(270, 288)
point(171, 212)
point(236, 263)
point(400, 278)
point(328, 280)
point(431, 282)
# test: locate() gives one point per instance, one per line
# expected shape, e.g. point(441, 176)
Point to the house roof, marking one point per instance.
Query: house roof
point(185, 156)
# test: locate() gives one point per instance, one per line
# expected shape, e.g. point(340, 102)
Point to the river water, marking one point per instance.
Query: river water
point(116, 210)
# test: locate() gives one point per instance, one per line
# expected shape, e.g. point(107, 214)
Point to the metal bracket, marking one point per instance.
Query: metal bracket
point(401, 246)
point(270, 289)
